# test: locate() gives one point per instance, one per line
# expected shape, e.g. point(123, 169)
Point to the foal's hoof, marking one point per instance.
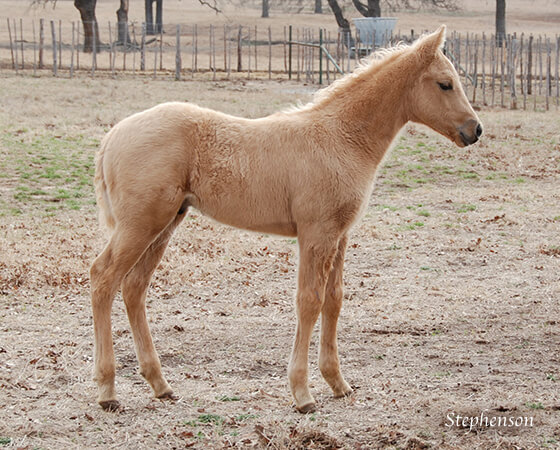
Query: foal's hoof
point(345, 393)
point(111, 406)
point(168, 396)
point(307, 408)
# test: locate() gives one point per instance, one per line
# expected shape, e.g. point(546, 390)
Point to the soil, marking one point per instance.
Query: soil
point(451, 292)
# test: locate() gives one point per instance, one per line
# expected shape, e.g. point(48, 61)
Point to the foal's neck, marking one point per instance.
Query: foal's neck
point(372, 108)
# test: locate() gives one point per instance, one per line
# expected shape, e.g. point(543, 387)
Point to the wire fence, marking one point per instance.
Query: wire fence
point(516, 72)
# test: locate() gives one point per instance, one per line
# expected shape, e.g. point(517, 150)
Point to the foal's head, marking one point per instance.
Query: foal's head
point(437, 98)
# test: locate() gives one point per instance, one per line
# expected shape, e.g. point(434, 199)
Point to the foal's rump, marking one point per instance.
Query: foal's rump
point(143, 166)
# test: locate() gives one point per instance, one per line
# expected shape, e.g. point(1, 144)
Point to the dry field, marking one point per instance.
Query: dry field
point(452, 280)
point(451, 302)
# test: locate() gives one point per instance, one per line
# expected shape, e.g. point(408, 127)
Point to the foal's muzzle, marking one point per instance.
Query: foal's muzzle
point(470, 131)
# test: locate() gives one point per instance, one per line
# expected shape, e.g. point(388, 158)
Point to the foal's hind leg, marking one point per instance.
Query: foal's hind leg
point(134, 287)
point(328, 356)
point(106, 274)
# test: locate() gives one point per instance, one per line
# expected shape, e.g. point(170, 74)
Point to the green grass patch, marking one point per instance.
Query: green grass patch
point(534, 405)
point(412, 226)
point(244, 417)
point(228, 398)
point(44, 169)
point(466, 208)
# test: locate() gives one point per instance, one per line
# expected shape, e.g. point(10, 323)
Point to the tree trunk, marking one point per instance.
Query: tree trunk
point(122, 20)
point(318, 6)
point(89, 21)
point(500, 21)
point(148, 6)
point(342, 22)
point(159, 16)
point(265, 9)
point(373, 8)
point(340, 19)
point(149, 16)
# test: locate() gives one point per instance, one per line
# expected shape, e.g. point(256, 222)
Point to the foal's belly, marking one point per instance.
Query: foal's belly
point(240, 214)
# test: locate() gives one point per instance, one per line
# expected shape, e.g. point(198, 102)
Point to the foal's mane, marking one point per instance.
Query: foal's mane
point(369, 65)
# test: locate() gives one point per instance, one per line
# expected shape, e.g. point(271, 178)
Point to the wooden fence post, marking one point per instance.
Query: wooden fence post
point(213, 52)
point(548, 86)
point(53, 33)
point(72, 52)
point(78, 45)
point(15, 46)
point(125, 47)
point(60, 44)
point(483, 84)
point(269, 53)
point(522, 66)
point(256, 47)
point(178, 54)
point(225, 48)
point(155, 61)
point(21, 43)
point(513, 61)
point(290, 53)
point(239, 63)
point(11, 46)
point(94, 51)
point(111, 62)
point(143, 49)
point(195, 49)
point(249, 52)
point(134, 48)
point(228, 52)
point(161, 48)
point(557, 71)
point(34, 49)
point(41, 41)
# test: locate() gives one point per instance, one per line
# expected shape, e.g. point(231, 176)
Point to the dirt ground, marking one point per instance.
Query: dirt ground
point(451, 291)
point(451, 283)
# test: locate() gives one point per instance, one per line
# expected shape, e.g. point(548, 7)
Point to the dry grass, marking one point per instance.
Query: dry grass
point(451, 291)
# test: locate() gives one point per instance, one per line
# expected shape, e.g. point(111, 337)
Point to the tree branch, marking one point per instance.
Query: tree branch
point(211, 6)
point(362, 9)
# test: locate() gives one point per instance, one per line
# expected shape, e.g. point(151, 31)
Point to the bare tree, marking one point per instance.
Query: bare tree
point(342, 22)
point(372, 9)
point(122, 22)
point(500, 21)
point(150, 28)
point(89, 21)
point(265, 8)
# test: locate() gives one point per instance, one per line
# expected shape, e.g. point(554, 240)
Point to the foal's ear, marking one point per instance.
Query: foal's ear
point(430, 44)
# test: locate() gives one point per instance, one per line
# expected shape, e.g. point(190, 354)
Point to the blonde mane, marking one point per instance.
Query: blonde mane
point(369, 65)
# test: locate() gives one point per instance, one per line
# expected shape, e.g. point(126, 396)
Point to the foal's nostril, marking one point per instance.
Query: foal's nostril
point(478, 130)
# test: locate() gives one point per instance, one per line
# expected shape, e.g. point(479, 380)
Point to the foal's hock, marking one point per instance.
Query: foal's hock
point(307, 172)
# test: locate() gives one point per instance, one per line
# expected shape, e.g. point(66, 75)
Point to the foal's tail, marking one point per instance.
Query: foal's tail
point(104, 203)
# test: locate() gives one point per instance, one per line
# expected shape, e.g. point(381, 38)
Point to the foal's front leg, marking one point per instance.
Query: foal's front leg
point(328, 357)
point(315, 261)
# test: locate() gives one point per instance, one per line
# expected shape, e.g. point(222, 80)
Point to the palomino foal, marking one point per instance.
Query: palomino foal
point(307, 172)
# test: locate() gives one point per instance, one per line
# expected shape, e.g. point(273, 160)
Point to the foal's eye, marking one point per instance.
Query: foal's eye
point(445, 86)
